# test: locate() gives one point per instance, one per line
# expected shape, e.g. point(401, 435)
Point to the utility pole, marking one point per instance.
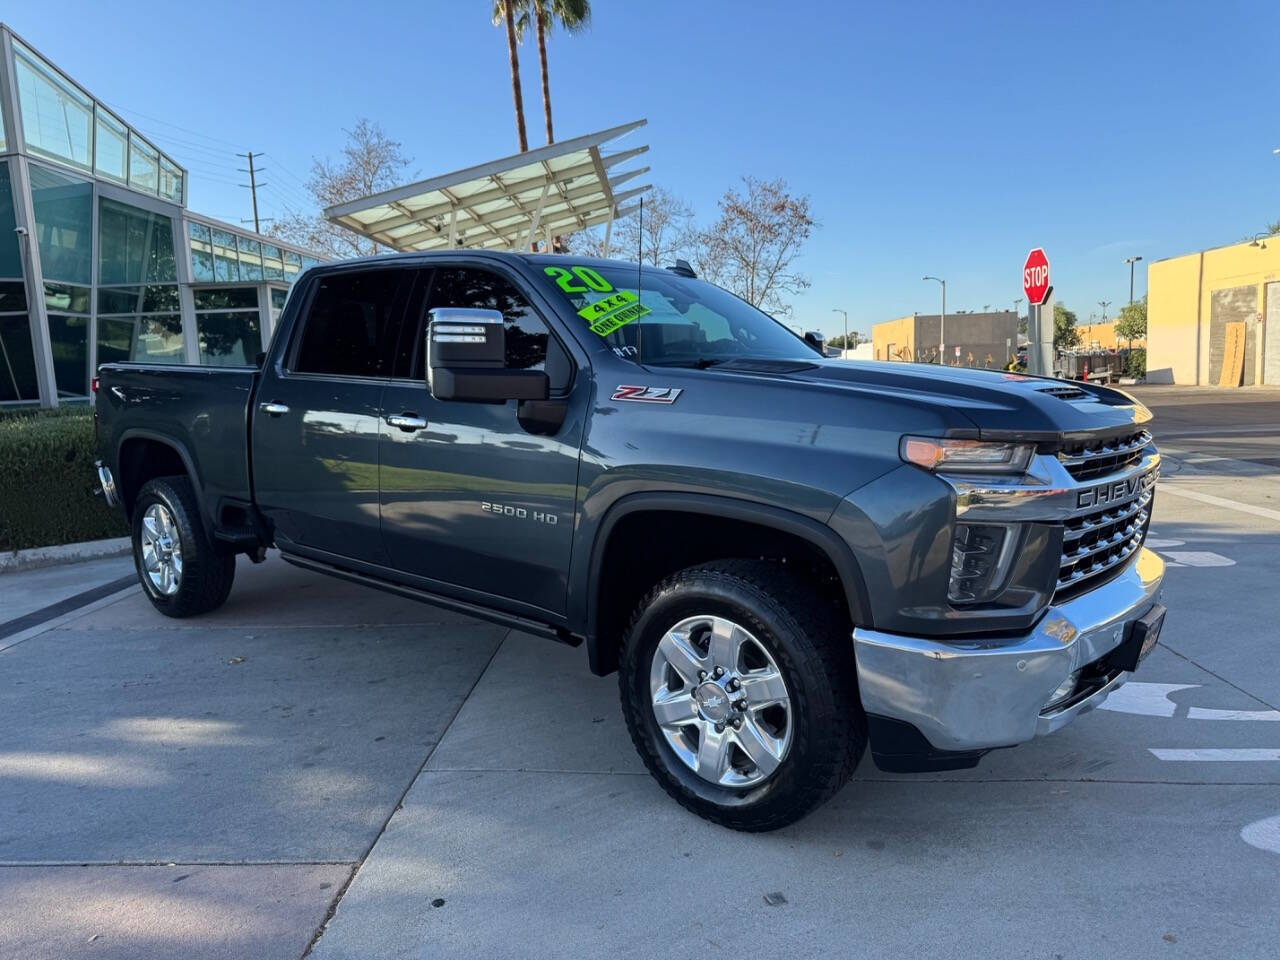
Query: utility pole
point(942, 321)
point(253, 185)
point(1131, 261)
point(846, 329)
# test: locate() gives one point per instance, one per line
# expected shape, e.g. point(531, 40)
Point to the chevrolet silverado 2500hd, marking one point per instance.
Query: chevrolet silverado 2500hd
point(785, 558)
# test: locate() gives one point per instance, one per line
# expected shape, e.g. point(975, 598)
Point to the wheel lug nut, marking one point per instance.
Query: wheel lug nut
point(719, 728)
point(740, 705)
point(734, 684)
point(702, 674)
point(719, 672)
point(737, 723)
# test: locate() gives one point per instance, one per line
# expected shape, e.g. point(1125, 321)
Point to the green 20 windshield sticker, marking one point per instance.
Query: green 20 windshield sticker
point(607, 314)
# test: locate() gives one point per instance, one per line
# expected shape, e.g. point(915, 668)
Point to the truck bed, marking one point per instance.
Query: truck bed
point(201, 412)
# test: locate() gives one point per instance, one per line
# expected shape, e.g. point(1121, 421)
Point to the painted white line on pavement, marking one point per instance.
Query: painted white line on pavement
point(1218, 754)
point(1198, 558)
point(1206, 713)
point(1263, 834)
point(1144, 699)
point(1220, 502)
point(1159, 543)
point(1266, 429)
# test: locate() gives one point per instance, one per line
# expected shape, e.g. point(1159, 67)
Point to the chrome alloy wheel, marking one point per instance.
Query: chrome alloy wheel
point(161, 549)
point(721, 701)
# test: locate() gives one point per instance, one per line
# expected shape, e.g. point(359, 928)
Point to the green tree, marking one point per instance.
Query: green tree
point(1065, 334)
point(1131, 325)
point(1273, 227)
point(504, 14)
point(573, 15)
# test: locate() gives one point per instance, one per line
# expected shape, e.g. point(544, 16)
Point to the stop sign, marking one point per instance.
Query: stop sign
point(1035, 277)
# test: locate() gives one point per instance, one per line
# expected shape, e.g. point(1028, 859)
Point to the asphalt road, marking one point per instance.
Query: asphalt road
point(320, 759)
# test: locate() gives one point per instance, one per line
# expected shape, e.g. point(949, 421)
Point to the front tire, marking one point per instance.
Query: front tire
point(182, 571)
point(739, 690)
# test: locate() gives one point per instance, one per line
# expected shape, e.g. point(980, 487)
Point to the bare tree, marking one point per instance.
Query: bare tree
point(370, 161)
point(666, 233)
point(750, 249)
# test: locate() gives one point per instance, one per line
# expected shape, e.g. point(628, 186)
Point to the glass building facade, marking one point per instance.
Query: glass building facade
point(100, 260)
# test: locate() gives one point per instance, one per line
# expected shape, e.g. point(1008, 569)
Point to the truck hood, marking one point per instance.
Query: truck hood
point(1000, 405)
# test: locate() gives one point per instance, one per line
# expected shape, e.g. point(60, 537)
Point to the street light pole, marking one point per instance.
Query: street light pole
point(1131, 261)
point(1104, 304)
point(843, 350)
point(942, 321)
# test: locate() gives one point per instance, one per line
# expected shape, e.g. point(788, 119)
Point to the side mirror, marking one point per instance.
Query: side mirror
point(816, 340)
point(466, 359)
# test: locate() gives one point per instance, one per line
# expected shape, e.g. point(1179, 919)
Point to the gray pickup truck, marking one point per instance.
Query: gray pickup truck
point(785, 558)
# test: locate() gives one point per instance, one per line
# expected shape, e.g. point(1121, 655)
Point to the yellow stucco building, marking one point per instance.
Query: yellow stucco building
point(1102, 336)
point(1192, 298)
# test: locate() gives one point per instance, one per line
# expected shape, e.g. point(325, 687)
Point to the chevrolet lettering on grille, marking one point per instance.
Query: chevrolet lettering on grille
point(1118, 491)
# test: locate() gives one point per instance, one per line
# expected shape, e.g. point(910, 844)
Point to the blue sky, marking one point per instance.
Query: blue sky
point(932, 137)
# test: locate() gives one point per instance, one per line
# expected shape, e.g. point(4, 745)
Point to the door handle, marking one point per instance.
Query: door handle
point(407, 422)
point(274, 409)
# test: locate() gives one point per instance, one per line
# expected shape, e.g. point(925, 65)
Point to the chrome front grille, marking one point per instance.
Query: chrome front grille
point(1095, 458)
point(1099, 541)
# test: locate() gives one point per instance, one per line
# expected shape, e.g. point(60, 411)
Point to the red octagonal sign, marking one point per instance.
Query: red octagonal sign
point(1035, 277)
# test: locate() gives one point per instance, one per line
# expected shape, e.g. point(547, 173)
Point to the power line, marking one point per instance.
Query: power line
point(120, 108)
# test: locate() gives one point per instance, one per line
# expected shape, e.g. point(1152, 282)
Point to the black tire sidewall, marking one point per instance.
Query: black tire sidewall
point(788, 794)
point(200, 560)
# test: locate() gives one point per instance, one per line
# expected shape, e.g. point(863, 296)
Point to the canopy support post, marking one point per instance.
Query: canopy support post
point(608, 233)
point(537, 214)
point(453, 227)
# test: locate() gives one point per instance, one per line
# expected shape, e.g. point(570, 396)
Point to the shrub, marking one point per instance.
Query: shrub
point(1135, 365)
point(46, 495)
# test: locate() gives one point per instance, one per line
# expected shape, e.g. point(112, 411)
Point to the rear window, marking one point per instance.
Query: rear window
point(346, 329)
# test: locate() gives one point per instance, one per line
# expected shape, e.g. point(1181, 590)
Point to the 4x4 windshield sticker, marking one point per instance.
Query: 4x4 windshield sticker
point(613, 311)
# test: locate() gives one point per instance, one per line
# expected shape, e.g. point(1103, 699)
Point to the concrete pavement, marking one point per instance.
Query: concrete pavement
point(225, 778)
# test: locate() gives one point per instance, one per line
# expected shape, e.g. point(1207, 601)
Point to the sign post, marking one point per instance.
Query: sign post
point(1035, 284)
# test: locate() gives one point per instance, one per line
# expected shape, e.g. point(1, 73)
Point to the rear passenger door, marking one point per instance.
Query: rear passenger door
point(316, 424)
point(475, 503)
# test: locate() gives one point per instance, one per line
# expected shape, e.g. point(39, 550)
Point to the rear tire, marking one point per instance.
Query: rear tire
point(182, 571)
point(807, 732)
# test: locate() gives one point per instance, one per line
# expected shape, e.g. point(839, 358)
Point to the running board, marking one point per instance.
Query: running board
point(523, 624)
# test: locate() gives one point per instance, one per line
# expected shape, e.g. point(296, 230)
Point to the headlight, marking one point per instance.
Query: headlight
point(980, 558)
point(965, 456)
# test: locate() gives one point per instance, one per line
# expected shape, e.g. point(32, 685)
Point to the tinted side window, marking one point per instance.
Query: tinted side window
point(347, 324)
point(527, 336)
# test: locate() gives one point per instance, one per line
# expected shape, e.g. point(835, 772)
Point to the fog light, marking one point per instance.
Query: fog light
point(980, 558)
point(1064, 691)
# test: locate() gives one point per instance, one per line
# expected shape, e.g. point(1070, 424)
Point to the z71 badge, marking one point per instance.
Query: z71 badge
point(647, 394)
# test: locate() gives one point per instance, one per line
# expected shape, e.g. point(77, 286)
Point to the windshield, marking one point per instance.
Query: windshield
point(674, 320)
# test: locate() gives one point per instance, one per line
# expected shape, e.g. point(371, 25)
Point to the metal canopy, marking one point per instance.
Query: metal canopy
point(503, 204)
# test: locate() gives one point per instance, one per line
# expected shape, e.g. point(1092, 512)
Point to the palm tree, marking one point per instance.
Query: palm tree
point(573, 15)
point(504, 13)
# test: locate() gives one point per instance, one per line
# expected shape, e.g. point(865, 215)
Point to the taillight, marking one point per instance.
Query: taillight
point(93, 384)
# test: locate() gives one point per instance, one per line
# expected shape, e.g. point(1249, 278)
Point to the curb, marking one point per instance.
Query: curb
point(36, 557)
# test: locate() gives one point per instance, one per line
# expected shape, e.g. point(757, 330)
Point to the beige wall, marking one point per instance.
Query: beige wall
point(1180, 306)
point(894, 335)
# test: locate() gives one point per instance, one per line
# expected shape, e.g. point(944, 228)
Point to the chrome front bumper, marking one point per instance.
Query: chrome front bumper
point(986, 693)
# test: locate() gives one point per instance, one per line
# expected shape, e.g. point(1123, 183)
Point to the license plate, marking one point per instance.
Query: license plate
point(1153, 636)
point(1141, 637)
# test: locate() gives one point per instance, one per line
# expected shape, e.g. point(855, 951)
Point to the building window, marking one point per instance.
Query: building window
point(201, 252)
point(64, 225)
point(226, 267)
point(111, 154)
point(134, 245)
point(250, 259)
point(138, 315)
point(229, 327)
point(18, 383)
point(57, 118)
point(272, 262)
point(144, 166)
point(170, 181)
